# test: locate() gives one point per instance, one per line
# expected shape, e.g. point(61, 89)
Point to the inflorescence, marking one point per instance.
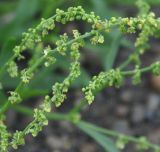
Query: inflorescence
point(145, 22)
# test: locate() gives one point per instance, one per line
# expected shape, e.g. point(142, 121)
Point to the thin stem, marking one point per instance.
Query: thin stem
point(125, 63)
point(59, 116)
point(114, 134)
point(83, 102)
point(146, 69)
point(78, 107)
point(7, 104)
point(51, 116)
point(14, 56)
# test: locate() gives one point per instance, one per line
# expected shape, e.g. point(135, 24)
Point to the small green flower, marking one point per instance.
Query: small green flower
point(26, 75)
point(143, 144)
point(137, 76)
point(110, 78)
point(121, 142)
point(18, 139)
point(98, 38)
point(4, 137)
point(12, 69)
point(14, 97)
point(61, 44)
point(156, 68)
point(39, 116)
point(146, 24)
point(47, 104)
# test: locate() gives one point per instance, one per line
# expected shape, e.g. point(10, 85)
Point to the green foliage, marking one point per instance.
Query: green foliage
point(106, 143)
point(145, 22)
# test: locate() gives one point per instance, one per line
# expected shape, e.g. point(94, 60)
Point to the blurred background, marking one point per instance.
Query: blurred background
point(133, 110)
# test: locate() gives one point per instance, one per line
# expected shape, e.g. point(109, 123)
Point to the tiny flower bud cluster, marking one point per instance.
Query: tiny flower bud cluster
point(18, 139)
point(12, 69)
point(137, 76)
point(61, 44)
point(156, 68)
point(14, 97)
point(145, 22)
point(60, 89)
point(4, 138)
point(98, 38)
point(110, 78)
point(26, 75)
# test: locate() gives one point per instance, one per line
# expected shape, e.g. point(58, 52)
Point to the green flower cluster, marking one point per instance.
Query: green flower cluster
point(40, 120)
point(49, 59)
point(98, 38)
point(121, 142)
point(60, 89)
point(14, 97)
point(34, 128)
point(12, 69)
point(142, 143)
point(61, 44)
point(18, 139)
point(146, 22)
point(137, 76)
point(26, 75)
point(156, 68)
point(35, 35)
point(4, 137)
point(104, 79)
point(149, 27)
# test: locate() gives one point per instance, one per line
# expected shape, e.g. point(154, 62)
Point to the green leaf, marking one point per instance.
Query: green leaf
point(103, 140)
point(22, 13)
point(25, 11)
point(6, 51)
point(102, 9)
point(110, 56)
point(2, 97)
point(127, 43)
point(50, 6)
point(7, 6)
point(29, 92)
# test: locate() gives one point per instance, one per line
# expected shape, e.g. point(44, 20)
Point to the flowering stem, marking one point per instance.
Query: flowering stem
point(51, 116)
point(125, 63)
point(58, 116)
point(7, 104)
point(5, 66)
point(84, 102)
point(115, 134)
point(14, 56)
point(131, 72)
point(114, 77)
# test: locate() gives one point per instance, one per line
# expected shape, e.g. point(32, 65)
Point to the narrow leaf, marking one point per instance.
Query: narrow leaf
point(103, 140)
